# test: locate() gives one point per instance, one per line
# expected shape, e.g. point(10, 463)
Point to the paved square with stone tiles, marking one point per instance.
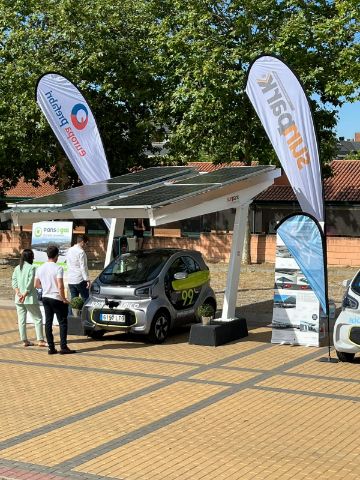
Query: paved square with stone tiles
point(122, 408)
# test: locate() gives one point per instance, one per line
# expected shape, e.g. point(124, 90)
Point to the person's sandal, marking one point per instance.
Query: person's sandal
point(28, 344)
point(42, 343)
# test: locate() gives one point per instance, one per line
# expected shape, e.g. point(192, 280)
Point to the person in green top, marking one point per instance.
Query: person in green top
point(26, 300)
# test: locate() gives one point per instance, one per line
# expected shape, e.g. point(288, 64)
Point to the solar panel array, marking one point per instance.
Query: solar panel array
point(152, 187)
point(184, 188)
point(115, 186)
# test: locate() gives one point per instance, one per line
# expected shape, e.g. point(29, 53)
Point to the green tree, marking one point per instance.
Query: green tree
point(203, 50)
point(180, 64)
point(100, 46)
point(355, 155)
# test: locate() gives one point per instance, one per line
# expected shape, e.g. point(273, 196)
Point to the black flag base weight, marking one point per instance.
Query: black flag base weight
point(328, 360)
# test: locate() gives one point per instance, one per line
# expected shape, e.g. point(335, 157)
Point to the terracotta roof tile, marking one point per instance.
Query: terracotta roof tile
point(345, 183)
point(210, 167)
point(277, 193)
point(343, 186)
point(27, 190)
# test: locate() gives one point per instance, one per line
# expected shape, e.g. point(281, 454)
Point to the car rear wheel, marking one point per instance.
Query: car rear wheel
point(96, 334)
point(160, 327)
point(345, 356)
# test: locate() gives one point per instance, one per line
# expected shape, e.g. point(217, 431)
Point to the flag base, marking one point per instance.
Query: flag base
point(328, 360)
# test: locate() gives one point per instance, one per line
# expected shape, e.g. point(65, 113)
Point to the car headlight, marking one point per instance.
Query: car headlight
point(350, 302)
point(147, 292)
point(144, 292)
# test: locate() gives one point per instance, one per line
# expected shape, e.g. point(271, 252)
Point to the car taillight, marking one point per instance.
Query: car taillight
point(350, 302)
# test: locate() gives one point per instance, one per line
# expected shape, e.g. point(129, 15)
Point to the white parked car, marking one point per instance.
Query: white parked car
point(347, 325)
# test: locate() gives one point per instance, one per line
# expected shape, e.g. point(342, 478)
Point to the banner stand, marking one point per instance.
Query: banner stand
point(298, 318)
point(51, 233)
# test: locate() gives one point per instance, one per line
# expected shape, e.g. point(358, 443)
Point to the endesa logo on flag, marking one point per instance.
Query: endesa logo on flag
point(78, 123)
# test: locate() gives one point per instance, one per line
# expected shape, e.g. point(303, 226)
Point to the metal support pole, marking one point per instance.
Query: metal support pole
point(116, 228)
point(232, 282)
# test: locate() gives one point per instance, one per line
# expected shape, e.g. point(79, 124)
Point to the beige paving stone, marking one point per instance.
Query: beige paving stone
point(272, 358)
point(178, 350)
point(255, 427)
point(339, 370)
point(8, 323)
point(36, 396)
point(8, 319)
point(98, 429)
point(134, 366)
point(253, 434)
point(318, 385)
point(12, 337)
point(224, 375)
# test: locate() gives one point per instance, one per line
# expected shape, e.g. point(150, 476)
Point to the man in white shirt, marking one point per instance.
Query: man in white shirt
point(50, 277)
point(78, 273)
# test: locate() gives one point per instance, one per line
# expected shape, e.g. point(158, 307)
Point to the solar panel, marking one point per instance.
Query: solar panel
point(153, 173)
point(225, 175)
point(114, 186)
point(159, 195)
point(172, 192)
point(72, 196)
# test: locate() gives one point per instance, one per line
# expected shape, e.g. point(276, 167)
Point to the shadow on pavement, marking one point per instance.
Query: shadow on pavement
point(256, 318)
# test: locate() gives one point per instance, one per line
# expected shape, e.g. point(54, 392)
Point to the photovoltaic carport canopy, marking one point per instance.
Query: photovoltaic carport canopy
point(186, 187)
point(105, 188)
point(145, 193)
point(163, 195)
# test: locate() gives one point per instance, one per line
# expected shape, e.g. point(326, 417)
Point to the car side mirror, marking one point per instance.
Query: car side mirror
point(346, 283)
point(180, 275)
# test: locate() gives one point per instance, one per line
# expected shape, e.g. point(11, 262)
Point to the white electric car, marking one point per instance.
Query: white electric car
point(148, 292)
point(347, 325)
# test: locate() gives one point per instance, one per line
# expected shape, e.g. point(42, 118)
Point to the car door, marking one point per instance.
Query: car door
point(184, 292)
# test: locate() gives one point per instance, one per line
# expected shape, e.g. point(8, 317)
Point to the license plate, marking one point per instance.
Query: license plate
point(112, 317)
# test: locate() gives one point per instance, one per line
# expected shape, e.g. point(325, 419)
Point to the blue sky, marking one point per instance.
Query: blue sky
point(349, 120)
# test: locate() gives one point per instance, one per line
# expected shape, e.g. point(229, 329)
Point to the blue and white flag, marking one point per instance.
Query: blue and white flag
point(305, 240)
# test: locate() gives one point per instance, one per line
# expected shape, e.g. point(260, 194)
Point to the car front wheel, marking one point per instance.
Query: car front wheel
point(160, 327)
point(345, 356)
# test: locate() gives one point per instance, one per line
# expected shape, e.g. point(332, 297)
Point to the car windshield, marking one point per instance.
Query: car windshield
point(133, 268)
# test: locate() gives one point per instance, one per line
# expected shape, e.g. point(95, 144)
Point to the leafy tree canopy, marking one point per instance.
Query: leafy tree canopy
point(203, 50)
point(176, 63)
point(98, 45)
